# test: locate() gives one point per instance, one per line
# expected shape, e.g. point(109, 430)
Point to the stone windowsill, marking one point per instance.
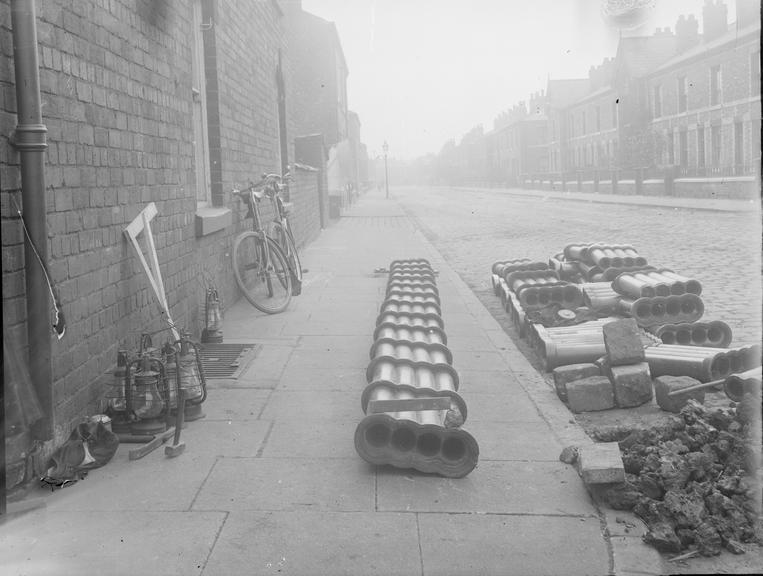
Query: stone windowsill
point(210, 219)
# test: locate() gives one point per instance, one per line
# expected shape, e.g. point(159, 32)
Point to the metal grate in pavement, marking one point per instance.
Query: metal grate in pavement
point(226, 360)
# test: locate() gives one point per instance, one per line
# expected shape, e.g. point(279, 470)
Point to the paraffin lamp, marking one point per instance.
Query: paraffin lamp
point(187, 364)
point(213, 323)
point(146, 393)
point(116, 400)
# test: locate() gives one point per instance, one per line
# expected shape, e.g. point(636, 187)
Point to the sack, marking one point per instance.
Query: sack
point(90, 445)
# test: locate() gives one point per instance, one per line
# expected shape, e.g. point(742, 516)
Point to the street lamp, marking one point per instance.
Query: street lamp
point(385, 147)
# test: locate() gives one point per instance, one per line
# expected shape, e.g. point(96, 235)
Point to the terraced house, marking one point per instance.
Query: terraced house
point(676, 112)
point(105, 107)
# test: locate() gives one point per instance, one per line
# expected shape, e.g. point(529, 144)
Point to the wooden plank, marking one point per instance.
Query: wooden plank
point(409, 404)
point(136, 226)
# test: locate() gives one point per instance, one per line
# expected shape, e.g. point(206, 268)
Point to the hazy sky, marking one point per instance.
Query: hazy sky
point(425, 71)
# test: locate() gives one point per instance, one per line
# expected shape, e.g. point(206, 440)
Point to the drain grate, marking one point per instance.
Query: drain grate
point(226, 360)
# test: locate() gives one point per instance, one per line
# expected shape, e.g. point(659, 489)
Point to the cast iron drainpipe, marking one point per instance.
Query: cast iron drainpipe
point(29, 140)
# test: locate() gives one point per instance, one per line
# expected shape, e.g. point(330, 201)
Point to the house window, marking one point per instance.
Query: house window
point(598, 119)
point(199, 106)
point(715, 145)
point(671, 151)
point(755, 73)
point(683, 148)
point(657, 101)
point(700, 147)
point(738, 143)
point(682, 91)
point(715, 85)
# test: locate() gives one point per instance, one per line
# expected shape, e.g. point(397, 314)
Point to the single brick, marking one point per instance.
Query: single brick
point(632, 384)
point(622, 341)
point(565, 374)
point(601, 463)
point(665, 384)
point(590, 394)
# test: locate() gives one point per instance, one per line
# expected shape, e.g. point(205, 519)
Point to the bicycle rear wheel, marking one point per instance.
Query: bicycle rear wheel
point(261, 272)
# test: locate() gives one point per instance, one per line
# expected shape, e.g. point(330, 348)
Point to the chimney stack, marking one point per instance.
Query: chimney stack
point(715, 19)
point(687, 32)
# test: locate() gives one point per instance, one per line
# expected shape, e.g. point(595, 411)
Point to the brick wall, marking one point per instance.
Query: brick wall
point(117, 102)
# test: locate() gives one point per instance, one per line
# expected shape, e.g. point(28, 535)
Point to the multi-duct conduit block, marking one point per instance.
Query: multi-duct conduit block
point(413, 408)
point(650, 283)
point(659, 310)
point(714, 334)
point(703, 363)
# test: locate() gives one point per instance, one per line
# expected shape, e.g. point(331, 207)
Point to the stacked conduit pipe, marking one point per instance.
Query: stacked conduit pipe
point(413, 410)
point(614, 279)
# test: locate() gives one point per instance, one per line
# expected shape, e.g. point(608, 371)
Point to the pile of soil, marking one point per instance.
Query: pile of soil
point(693, 482)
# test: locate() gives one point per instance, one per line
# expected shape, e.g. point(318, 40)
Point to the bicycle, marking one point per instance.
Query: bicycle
point(280, 228)
point(261, 269)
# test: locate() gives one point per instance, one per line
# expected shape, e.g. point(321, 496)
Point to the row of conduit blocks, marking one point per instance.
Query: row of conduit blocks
point(614, 279)
point(413, 409)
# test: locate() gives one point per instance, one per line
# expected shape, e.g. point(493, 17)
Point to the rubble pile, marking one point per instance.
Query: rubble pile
point(692, 482)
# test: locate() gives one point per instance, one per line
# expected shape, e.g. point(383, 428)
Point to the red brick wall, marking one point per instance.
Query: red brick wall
point(116, 91)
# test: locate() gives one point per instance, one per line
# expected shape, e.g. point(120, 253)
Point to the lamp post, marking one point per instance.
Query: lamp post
point(385, 147)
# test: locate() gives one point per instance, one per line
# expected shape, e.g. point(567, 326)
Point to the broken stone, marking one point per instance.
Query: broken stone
point(590, 394)
point(688, 510)
point(707, 539)
point(662, 536)
point(622, 342)
point(569, 455)
point(666, 384)
point(565, 374)
point(601, 463)
point(632, 384)
point(623, 496)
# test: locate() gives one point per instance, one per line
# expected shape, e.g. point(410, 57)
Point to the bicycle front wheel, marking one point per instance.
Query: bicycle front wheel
point(261, 272)
point(283, 236)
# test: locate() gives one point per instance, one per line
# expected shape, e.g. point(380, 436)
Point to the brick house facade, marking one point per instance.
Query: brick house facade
point(167, 102)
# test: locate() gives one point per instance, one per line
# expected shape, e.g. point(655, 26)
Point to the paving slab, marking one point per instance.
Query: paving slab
point(326, 358)
point(237, 484)
point(269, 364)
point(152, 483)
point(350, 380)
point(489, 382)
point(316, 543)
point(523, 441)
point(231, 438)
point(462, 544)
point(234, 404)
point(321, 408)
point(507, 407)
point(492, 487)
point(117, 543)
point(312, 438)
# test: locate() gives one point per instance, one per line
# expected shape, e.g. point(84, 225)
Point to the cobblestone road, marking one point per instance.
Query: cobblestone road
point(476, 228)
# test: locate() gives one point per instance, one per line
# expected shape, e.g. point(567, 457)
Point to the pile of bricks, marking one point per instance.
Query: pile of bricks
point(413, 410)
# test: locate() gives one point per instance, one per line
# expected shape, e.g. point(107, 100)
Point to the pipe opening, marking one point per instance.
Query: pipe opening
point(453, 449)
point(377, 435)
point(658, 309)
point(687, 306)
point(715, 334)
point(673, 306)
point(628, 261)
point(604, 263)
point(699, 335)
point(531, 297)
point(662, 290)
point(570, 294)
point(639, 261)
point(678, 288)
point(403, 439)
point(428, 444)
point(557, 294)
point(735, 362)
point(668, 337)
point(643, 310)
point(544, 296)
point(693, 287)
point(683, 337)
point(648, 292)
point(617, 262)
point(720, 367)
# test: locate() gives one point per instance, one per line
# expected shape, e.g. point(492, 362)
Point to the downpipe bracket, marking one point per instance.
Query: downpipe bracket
point(29, 137)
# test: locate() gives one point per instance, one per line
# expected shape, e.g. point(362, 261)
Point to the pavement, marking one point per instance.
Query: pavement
point(270, 482)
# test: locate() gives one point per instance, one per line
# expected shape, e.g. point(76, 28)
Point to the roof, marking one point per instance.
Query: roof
point(732, 36)
point(560, 93)
point(642, 54)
